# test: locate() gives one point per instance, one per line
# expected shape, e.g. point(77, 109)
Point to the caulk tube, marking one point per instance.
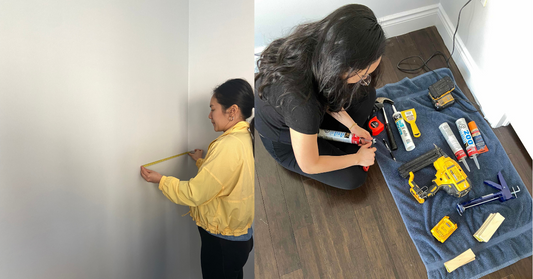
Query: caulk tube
point(468, 141)
point(342, 137)
point(339, 136)
point(404, 132)
point(455, 146)
point(480, 143)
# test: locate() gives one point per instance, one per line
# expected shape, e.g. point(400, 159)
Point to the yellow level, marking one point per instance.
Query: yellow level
point(162, 160)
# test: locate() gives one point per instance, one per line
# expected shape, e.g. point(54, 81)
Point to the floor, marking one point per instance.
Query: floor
point(305, 229)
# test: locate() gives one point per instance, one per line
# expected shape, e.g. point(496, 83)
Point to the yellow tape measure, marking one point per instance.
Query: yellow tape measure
point(162, 160)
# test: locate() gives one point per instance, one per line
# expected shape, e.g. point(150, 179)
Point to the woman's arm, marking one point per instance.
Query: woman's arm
point(345, 119)
point(191, 193)
point(305, 149)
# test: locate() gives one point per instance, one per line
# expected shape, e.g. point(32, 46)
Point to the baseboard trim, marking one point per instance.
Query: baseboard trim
point(409, 21)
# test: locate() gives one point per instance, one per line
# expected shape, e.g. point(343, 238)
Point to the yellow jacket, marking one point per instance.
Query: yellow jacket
point(221, 195)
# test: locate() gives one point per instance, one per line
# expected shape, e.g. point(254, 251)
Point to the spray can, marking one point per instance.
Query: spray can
point(403, 130)
point(468, 141)
point(455, 146)
point(480, 143)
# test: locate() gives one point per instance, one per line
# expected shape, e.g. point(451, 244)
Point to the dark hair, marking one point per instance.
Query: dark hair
point(319, 57)
point(237, 92)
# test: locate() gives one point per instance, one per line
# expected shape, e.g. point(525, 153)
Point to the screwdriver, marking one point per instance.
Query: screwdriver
point(386, 145)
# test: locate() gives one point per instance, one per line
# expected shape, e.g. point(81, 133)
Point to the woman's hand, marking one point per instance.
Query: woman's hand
point(360, 132)
point(366, 154)
point(197, 154)
point(150, 175)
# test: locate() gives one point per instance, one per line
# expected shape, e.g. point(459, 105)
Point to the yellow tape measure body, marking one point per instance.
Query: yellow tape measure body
point(162, 160)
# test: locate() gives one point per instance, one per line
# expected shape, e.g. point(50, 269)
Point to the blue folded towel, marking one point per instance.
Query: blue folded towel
point(511, 242)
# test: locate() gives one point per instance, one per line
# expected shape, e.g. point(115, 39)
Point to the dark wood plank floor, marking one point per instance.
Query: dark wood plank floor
point(305, 229)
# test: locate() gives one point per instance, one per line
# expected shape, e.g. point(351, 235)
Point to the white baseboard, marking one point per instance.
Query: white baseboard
point(409, 21)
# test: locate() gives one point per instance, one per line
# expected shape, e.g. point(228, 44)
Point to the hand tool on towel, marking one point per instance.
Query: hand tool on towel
point(410, 117)
point(382, 100)
point(375, 126)
point(388, 148)
point(503, 195)
point(449, 176)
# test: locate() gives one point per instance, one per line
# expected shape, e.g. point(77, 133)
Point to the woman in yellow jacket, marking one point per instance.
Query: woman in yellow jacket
point(221, 195)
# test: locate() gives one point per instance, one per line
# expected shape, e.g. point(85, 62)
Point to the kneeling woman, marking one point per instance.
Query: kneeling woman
point(221, 195)
point(321, 76)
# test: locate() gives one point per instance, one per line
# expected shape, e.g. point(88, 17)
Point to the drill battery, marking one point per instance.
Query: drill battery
point(440, 93)
point(444, 229)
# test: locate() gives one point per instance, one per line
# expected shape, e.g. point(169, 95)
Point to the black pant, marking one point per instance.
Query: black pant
point(348, 178)
point(221, 258)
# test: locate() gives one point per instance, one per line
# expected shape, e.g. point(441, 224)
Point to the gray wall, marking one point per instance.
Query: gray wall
point(89, 91)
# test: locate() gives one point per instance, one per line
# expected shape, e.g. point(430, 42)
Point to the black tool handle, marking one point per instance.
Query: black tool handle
point(393, 145)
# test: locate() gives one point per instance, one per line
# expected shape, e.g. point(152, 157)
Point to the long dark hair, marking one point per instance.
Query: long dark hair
point(237, 92)
point(319, 57)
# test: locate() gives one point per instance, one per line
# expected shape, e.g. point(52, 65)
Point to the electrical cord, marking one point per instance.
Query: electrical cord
point(438, 53)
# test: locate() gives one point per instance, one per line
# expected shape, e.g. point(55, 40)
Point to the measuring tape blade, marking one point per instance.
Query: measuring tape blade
point(171, 157)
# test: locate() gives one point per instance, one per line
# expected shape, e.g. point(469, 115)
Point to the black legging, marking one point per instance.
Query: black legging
point(348, 178)
point(221, 258)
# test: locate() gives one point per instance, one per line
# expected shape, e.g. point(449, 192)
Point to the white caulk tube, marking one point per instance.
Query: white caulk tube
point(403, 130)
point(455, 146)
point(340, 136)
point(468, 141)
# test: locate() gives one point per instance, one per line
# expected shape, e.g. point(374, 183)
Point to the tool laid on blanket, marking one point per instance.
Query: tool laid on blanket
point(503, 195)
point(388, 148)
point(449, 176)
point(440, 93)
point(480, 143)
point(402, 129)
point(453, 143)
point(344, 137)
point(376, 127)
point(410, 117)
point(470, 146)
point(443, 229)
point(382, 100)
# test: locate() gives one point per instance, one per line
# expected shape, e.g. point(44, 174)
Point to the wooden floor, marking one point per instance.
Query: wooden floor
point(305, 229)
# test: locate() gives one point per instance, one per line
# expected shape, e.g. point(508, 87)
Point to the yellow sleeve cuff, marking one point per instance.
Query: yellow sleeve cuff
point(199, 162)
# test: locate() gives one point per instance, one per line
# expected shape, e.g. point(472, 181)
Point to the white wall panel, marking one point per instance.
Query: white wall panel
point(89, 91)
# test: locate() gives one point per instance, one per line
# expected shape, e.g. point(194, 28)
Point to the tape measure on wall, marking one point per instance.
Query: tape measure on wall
point(162, 160)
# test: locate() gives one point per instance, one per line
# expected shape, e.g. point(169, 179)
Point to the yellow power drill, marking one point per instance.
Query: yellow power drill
point(450, 176)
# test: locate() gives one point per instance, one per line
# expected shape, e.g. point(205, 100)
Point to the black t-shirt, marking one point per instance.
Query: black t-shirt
point(275, 116)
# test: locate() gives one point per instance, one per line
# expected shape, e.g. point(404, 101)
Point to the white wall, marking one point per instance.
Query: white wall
point(275, 18)
point(496, 59)
point(221, 47)
point(89, 91)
